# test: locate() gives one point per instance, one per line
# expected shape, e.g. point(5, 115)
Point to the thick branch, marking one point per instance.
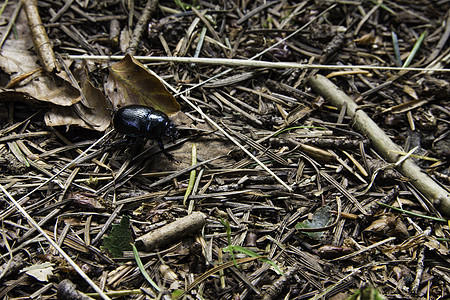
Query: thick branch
point(40, 39)
point(382, 143)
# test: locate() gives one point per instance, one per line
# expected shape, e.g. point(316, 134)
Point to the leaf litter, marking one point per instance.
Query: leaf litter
point(129, 82)
point(374, 239)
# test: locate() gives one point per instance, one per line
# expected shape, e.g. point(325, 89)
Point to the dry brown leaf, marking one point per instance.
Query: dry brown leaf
point(17, 61)
point(433, 244)
point(93, 113)
point(129, 82)
point(39, 85)
point(40, 271)
point(410, 91)
point(16, 80)
point(365, 40)
point(60, 116)
point(388, 225)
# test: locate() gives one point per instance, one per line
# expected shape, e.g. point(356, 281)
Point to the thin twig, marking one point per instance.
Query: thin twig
point(250, 63)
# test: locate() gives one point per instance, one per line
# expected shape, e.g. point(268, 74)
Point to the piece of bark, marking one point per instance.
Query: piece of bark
point(67, 290)
point(172, 233)
point(382, 143)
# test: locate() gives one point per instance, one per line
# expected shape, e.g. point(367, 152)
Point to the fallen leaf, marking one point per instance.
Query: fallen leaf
point(433, 244)
point(320, 219)
point(93, 112)
point(120, 238)
point(388, 225)
point(21, 65)
point(124, 40)
point(40, 271)
point(129, 82)
point(87, 201)
point(365, 40)
point(27, 82)
point(410, 91)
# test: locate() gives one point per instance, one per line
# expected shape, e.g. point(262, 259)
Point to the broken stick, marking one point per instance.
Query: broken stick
point(40, 39)
point(173, 232)
point(382, 143)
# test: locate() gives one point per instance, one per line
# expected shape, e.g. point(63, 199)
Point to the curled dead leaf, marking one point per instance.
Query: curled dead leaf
point(92, 113)
point(388, 225)
point(21, 65)
point(129, 82)
point(365, 40)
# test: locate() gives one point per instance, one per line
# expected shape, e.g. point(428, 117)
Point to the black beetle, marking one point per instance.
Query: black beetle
point(139, 121)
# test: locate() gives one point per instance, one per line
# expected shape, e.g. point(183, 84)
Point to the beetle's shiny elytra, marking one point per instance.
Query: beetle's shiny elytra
point(142, 121)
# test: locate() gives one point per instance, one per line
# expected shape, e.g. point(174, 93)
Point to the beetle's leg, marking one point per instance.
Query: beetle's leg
point(127, 140)
point(164, 151)
point(136, 140)
point(116, 143)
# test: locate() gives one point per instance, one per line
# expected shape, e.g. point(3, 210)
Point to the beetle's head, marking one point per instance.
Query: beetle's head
point(171, 130)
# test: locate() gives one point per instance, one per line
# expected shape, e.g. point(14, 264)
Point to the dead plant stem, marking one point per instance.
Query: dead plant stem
point(251, 63)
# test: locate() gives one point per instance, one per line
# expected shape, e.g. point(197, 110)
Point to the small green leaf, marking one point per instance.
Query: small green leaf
point(176, 294)
point(321, 219)
point(120, 238)
point(414, 50)
point(192, 175)
point(252, 254)
point(367, 293)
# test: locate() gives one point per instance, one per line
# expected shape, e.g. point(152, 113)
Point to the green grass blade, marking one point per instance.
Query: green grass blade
point(414, 50)
point(192, 175)
point(3, 7)
point(413, 213)
point(252, 254)
point(142, 269)
point(383, 6)
point(398, 59)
